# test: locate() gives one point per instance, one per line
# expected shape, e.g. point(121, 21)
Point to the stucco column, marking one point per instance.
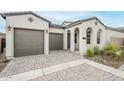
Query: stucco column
point(72, 46)
point(103, 38)
point(81, 41)
point(46, 42)
point(65, 40)
point(9, 52)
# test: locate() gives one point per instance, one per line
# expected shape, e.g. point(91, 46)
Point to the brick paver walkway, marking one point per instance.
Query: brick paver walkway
point(80, 73)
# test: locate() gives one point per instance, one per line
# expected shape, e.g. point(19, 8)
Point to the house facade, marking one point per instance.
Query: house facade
point(30, 34)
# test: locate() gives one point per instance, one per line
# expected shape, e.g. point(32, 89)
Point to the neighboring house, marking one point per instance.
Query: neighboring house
point(29, 34)
point(2, 42)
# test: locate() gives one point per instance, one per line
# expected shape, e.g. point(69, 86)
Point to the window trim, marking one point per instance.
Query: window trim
point(99, 36)
point(88, 34)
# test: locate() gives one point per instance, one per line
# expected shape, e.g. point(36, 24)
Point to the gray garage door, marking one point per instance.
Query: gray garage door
point(28, 42)
point(55, 41)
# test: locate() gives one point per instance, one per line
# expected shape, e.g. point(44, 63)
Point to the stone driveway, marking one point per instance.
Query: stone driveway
point(79, 73)
point(28, 63)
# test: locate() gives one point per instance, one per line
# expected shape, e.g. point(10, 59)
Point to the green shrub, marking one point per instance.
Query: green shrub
point(102, 52)
point(122, 54)
point(96, 50)
point(110, 49)
point(89, 53)
point(122, 48)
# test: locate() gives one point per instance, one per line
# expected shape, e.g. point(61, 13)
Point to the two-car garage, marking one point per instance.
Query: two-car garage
point(31, 42)
point(30, 34)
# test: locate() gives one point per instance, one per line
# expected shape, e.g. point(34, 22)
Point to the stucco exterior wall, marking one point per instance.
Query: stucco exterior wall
point(21, 21)
point(95, 28)
point(82, 33)
point(56, 30)
point(115, 34)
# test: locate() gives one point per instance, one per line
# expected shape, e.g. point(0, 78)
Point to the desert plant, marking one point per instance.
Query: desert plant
point(122, 54)
point(96, 50)
point(89, 53)
point(110, 49)
point(102, 52)
point(121, 48)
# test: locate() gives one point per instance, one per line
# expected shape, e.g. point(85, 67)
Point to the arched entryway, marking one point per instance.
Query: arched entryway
point(68, 39)
point(76, 39)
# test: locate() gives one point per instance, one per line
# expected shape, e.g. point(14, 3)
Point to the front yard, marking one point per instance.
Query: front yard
point(110, 55)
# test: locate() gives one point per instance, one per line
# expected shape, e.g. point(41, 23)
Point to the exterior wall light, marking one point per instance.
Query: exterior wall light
point(9, 28)
point(47, 31)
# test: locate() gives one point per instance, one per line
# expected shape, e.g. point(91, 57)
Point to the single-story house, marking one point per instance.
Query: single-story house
point(30, 34)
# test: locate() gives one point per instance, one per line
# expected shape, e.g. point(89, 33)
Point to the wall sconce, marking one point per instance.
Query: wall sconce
point(47, 31)
point(9, 28)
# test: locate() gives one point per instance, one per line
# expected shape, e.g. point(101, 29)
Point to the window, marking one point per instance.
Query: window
point(75, 38)
point(88, 35)
point(98, 37)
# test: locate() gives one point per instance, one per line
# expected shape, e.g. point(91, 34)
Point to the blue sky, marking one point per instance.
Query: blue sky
point(110, 18)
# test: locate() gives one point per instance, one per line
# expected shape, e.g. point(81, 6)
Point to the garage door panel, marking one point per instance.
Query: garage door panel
point(28, 42)
point(56, 41)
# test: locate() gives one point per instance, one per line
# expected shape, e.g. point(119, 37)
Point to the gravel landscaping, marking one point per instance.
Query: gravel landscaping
point(106, 60)
point(109, 55)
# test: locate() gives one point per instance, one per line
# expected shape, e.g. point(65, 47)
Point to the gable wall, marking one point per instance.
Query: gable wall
point(21, 21)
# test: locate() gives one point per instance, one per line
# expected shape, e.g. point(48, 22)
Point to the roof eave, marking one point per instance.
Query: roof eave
point(4, 15)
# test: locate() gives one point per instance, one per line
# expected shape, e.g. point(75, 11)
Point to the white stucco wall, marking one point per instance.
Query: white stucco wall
point(95, 28)
point(21, 21)
point(56, 30)
point(82, 42)
point(111, 33)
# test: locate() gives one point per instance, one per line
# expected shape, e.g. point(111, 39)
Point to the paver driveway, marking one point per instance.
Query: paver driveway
point(79, 73)
point(82, 71)
point(24, 64)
